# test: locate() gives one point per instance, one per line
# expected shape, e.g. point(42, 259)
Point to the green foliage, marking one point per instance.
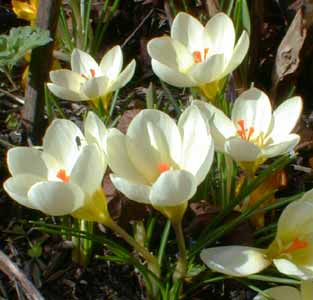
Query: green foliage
point(19, 41)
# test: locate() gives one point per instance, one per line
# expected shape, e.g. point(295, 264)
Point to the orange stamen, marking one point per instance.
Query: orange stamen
point(62, 175)
point(163, 167)
point(251, 130)
point(296, 245)
point(206, 50)
point(84, 76)
point(197, 57)
point(242, 130)
point(92, 72)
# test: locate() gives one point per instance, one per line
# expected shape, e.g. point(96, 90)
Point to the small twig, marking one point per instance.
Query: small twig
point(137, 28)
point(15, 274)
point(16, 98)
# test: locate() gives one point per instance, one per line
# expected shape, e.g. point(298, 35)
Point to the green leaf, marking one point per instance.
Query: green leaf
point(35, 250)
point(19, 41)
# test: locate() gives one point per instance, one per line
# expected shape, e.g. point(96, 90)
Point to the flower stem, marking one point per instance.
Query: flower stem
point(181, 267)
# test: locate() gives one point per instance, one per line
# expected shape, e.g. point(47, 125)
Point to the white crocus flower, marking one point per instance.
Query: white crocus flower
point(290, 252)
point(195, 55)
point(158, 162)
point(89, 81)
point(64, 176)
point(254, 133)
point(288, 292)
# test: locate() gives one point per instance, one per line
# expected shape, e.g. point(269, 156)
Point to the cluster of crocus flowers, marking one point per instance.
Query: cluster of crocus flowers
point(196, 55)
point(288, 292)
point(290, 252)
point(254, 133)
point(90, 81)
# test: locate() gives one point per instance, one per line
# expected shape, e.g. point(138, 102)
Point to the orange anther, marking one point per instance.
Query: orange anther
point(251, 130)
point(62, 175)
point(92, 72)
point(163, 167)
point(242, 130)
point(206, 50)
point(84, 76)
point(296, 245)
point(197, 56)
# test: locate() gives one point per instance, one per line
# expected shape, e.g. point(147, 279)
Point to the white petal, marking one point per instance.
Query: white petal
point(241, 150)
point(239, 53)
point(23, 160)
point(281, 293)
point(285, 266)
point(308, 196)
point(207, 71)
point(65, 93)
point(96, 87)
point(221, 31)
point(118, 159)
point(188, 31)
point(88, 170)
point(139, 132)
point(171, 76)
point(197, 148)
point(94, 129)
point(67, 79)
point(281, 147)
point(124, 77)
point(254, 108)
point(60, 141)
point(235, 260)
point(112, 63)
point(222, 127)
point(18, 186)
point(56, 198)
point(134, 191)
point(173, 188)
point(82, 63)
point(286, 117)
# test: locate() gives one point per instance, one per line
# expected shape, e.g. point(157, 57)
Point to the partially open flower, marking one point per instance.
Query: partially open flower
point(196, 55)
point(290, 252)
point(288, 292)
point(158, 162)
point(253, 133)
point(90, 81)
point(63, 178)
point(26, 10)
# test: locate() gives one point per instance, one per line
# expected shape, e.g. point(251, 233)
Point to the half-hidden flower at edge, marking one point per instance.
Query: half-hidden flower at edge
point(88, 81)
point(288, 292)
point(290, 252)
point(196, 55)
point(65, 176)
point(254, 133)
point(26, 10)
point(158, 162)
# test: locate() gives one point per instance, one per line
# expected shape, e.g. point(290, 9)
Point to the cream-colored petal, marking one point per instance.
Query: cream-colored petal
point(280, 293)
point(238, 54)
point(139, 131)
point(67, 79)
point(56, 198)
point(307, 196)
point(281, 147)
point(65, 93)
point(18, 186)
point(172, 76)
point(222, 127)
point(22, 160)
point(124, 77)
point(306, 290)
point(287, 267)
point(188, 30)
point(61, 142)
point(221, 31)
point(235, 260)
point(118, 159)
point(286, 117)
point(208, 70)
point(254, 108)
point(134, 191)
point(112, 63)
point(197, 148)
point(242, 150)
point(82, 63)
point(96, 87)
point(173, 188)
point(94, 129)
point(88, 170)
